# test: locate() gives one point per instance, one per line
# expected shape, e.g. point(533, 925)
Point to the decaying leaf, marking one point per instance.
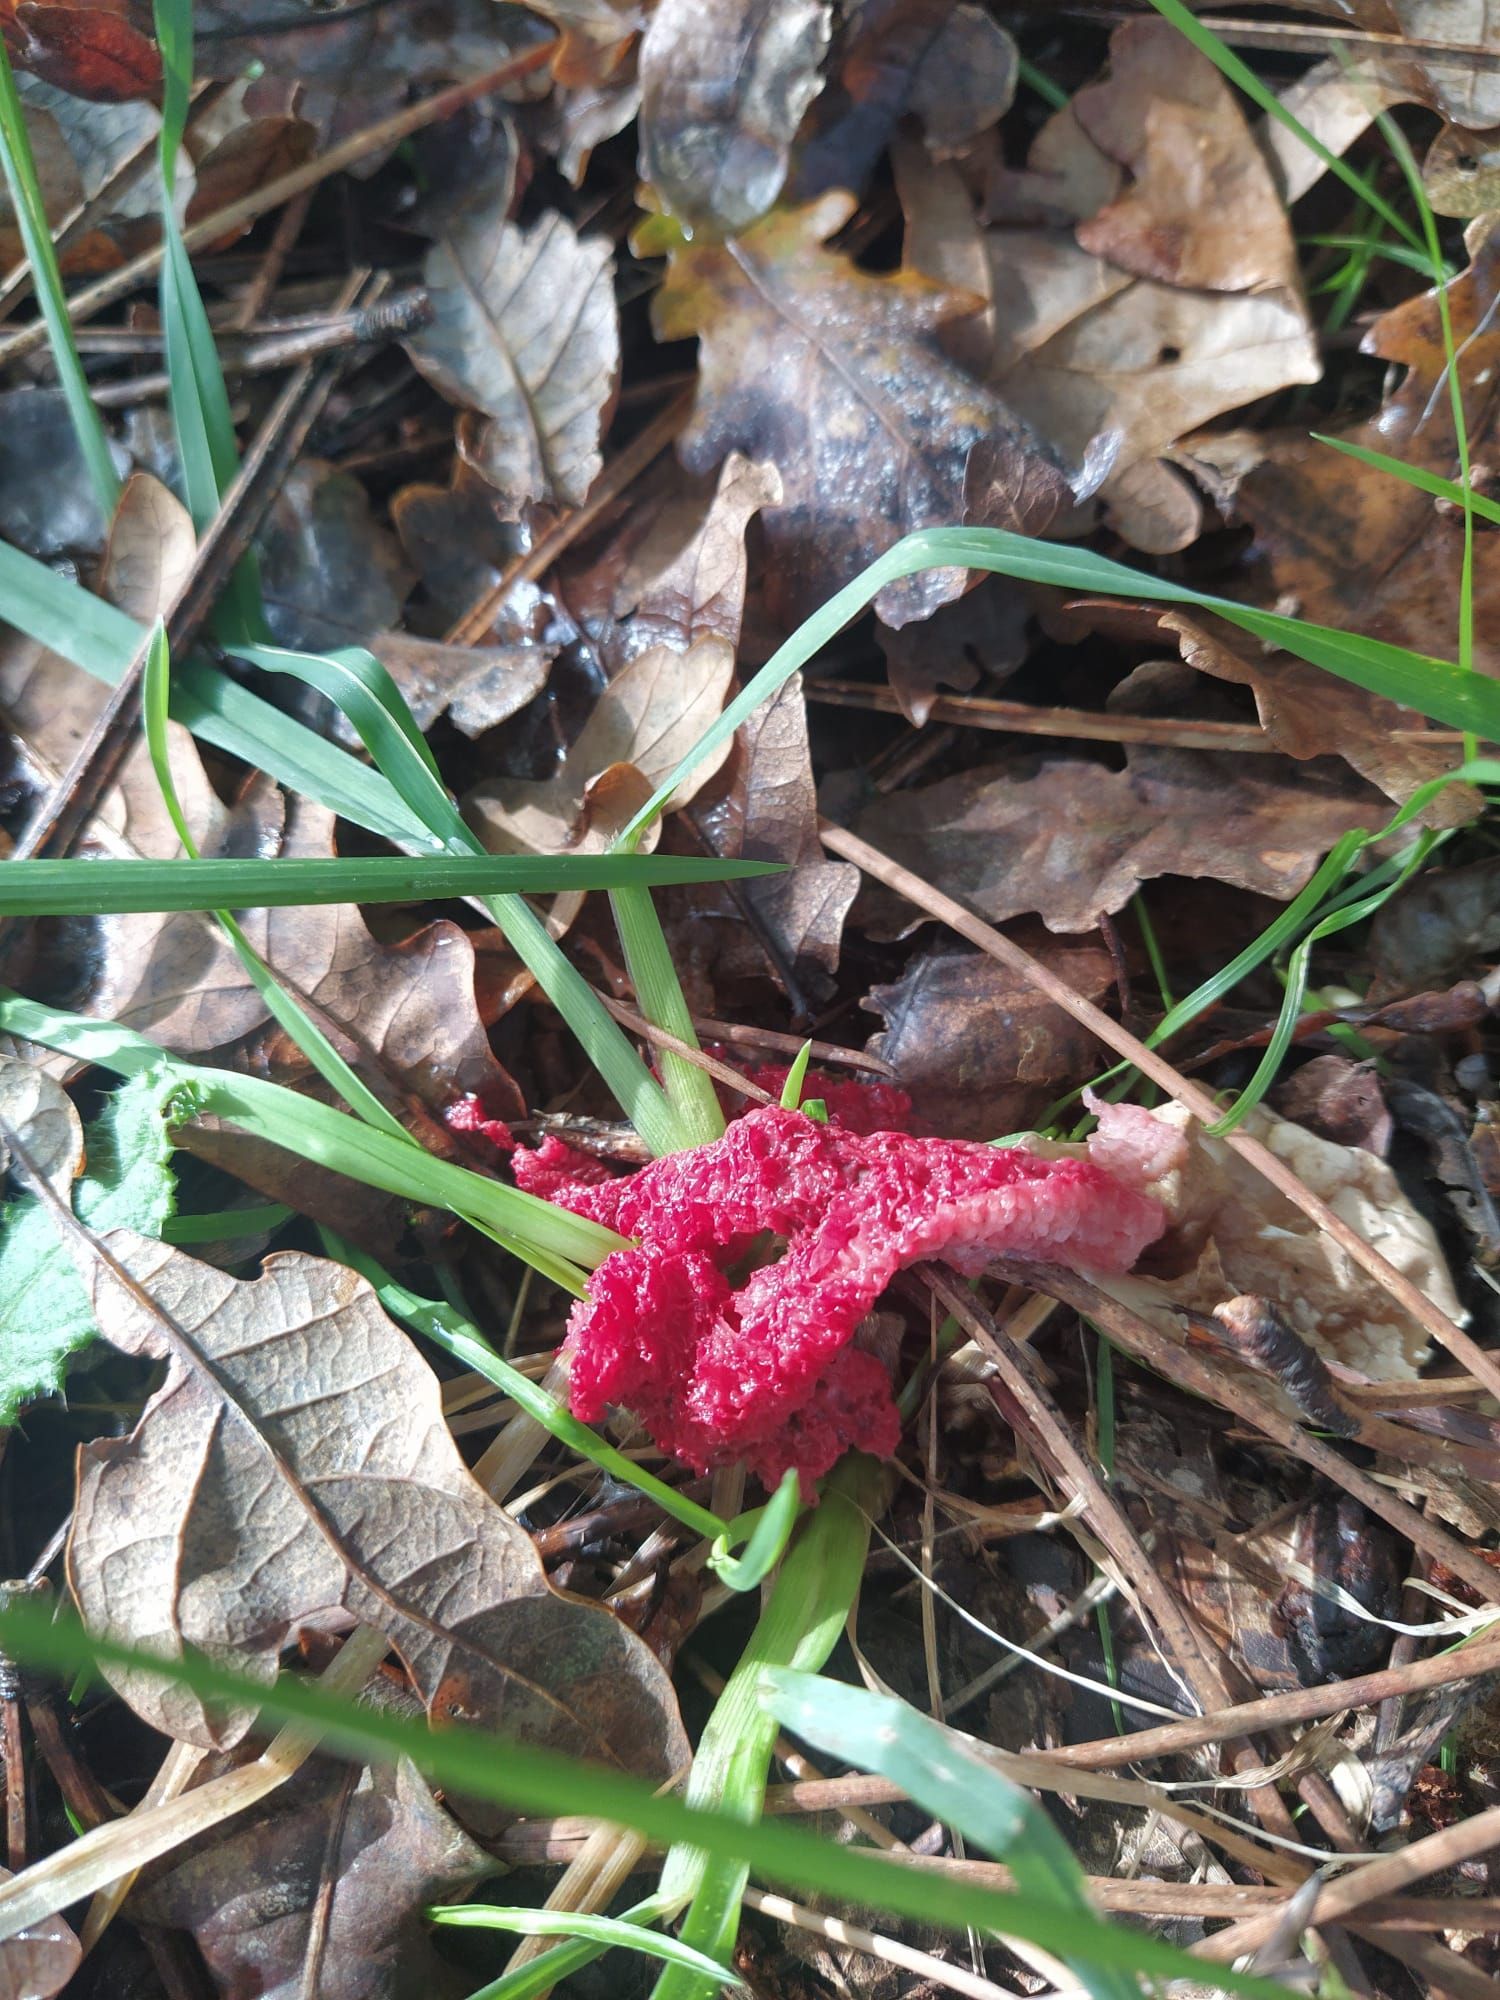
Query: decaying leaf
point(724, 85)
point(39, 1961)
point(982, 632)
point(45, 1312)
point(954, 66)
point(1074, 841)
point(1435, 928)
point(331, 575)
point(1356, 548)
point(1231, 1234)
point(979, 1049)
point(1136, 313)
point(678, 650)
point(47, 502)
point(768, 811)
point(839, 377)
point(524, 333)
point(454, 539)
point(329, 1878)
point(294, 1467)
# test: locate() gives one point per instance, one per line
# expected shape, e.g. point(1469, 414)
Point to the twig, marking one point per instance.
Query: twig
point(225, 221)
point(1433, 1322)
point(936, 1971)
point(109, 740)
point(621, 471)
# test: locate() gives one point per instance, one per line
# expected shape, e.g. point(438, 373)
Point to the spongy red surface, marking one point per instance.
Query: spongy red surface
point(763, 1372)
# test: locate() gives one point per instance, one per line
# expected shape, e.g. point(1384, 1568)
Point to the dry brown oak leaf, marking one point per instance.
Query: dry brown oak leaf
point(525, 334)
point(1347, 545)
point(840, 378)
point(1443, 63)
point(1074, 841)
point(294, 1469)
point(1135, 312)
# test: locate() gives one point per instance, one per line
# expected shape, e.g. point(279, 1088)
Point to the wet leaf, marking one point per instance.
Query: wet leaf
point(983, 632)
point(724, 86)
point(340, 1863)
point(455, 540)
point(39, 1961)
point(769, 812)
point(45, 1312)
point(47, 503)
point(839, 377)
point(331, 575)
point(1354, 546)
point(980, 1050)
point(294, 1466)
point(89, 48)
point(1435, 929)
point(1073, 841)
point(525, 335)
point(952, 65)
point(1338, 1100)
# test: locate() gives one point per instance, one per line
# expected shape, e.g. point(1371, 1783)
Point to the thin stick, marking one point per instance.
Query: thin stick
point(225, 221)
point(621, 472)
point(1433, 1322)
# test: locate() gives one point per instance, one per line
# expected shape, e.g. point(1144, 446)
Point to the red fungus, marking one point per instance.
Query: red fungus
point(761, 1370)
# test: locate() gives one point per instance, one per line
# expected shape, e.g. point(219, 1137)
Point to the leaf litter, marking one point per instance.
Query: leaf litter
point(721, 301)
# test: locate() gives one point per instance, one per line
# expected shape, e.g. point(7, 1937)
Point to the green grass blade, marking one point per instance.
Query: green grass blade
point(1441, 689)
point(605, 1931)
point(540, 1974)
point(457, 1336)
point(36, 235)
point(526, 1779)
point(1414, 475)
point(808, 1604)
point(283, 1008)
point(769, 1529)
point(660, 997)
point(104, 886)
point(948, 1776)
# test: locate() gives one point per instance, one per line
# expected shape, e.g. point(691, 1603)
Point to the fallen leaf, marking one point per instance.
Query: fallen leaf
point(1435, 929)
point(39, 1961)
point(1074, 841)
point(455, 541)
point(1461, 172)
point(768, 811)
point(1339, 1100)
point(954, 66)
point(677, 649)
point(1351, 546)
point(980, 1050)
point(47, 503)
point(983, 632)
point(524, 333)
point(1077, 344)
point(1230, 1235)
point(1201, 208)
point(724, 85)
point(251, 152)
point(325, 1883)
point(90, 49)
point(839, 377)
point(294, 1466)
point(35, 1105)
point(46, 1315)
point(476, 687)
point(331, 575)
point(648, 718)
point(1425, 56)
